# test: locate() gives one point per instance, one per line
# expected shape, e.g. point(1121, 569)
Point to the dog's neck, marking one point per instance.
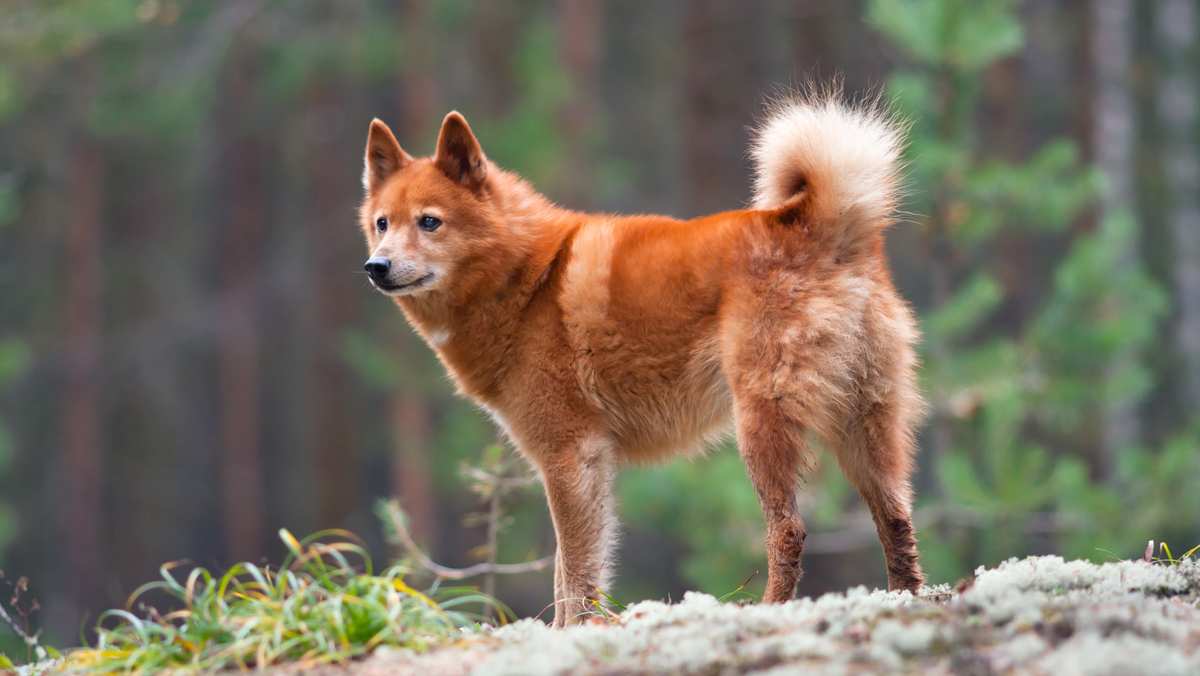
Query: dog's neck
point(473, 326)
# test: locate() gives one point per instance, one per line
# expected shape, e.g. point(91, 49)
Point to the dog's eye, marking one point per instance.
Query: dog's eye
point(428, 223)
point(381, 223)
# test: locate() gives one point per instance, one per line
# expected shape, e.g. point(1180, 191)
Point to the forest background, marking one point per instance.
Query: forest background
point(189, 359)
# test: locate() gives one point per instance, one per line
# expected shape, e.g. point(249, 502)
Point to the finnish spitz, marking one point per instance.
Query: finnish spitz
point(596, 339)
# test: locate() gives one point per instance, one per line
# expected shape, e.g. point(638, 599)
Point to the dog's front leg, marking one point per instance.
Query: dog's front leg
point(578, 485)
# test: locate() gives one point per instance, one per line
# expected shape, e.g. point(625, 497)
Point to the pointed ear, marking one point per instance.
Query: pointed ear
point(383, 157)
point(459, 154)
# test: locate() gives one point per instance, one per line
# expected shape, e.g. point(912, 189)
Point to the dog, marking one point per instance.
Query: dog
point(595, 339)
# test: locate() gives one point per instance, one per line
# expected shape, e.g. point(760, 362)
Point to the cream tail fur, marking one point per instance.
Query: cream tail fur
point(844, 158)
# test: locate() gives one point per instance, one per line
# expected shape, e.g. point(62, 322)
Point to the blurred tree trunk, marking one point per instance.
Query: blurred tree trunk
point(705, 151)
point(823, 50)
point(337, 255)
point(1178, 99)
point(1112, 142)
point(83, 452)
point(1086, 115)
point(411, 416)
point(241, 258)
point(1083, 112)
point(940, 251)
point(720, 93)
point(418, 90)
point(1113, 126)
point(1003, 114)
point(498, 31)
point(412, 479)
point(580, 33)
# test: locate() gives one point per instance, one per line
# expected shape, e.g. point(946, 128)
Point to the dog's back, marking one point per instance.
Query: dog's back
point(657, 309)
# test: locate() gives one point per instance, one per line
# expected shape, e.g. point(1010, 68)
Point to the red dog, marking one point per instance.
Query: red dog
point(595, 339)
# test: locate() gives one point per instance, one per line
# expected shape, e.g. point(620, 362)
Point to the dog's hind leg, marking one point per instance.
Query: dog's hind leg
point(774, 449)
point(876, 456)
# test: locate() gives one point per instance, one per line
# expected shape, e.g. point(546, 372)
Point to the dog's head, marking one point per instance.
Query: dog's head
point(425, 219)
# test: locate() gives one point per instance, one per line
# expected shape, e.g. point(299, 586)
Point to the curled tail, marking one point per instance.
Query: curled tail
point(839, 163)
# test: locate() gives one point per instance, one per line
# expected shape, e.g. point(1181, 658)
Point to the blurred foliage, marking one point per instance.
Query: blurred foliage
point(963, 35)
point(709, 505)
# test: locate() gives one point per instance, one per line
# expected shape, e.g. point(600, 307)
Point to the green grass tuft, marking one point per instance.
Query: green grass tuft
point(324, 604)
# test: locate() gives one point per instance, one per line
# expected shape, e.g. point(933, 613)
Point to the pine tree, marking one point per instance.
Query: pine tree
point(1010, 408)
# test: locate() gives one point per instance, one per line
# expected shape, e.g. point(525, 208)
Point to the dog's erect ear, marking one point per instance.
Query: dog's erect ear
point(459, 155)
point(384, 156)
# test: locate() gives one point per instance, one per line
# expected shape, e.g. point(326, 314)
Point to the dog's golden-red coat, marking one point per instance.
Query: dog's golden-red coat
point(594, 339)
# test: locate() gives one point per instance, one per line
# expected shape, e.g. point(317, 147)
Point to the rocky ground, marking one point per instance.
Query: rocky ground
point(1040, 615)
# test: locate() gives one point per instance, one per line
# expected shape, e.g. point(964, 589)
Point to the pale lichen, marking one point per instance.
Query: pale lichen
point(1040, 615)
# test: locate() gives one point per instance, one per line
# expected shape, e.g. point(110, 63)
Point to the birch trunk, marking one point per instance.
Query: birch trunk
point(1177, 107)
point(1112, 141)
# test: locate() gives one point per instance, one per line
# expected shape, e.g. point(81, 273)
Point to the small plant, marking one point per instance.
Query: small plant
point(605, 610)
point(739, 593)
point(20, 622)
point(1165, 556)
point(499, 474)
point(323, 604)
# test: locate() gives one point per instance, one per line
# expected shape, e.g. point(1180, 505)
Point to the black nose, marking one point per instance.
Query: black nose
point(377, 268)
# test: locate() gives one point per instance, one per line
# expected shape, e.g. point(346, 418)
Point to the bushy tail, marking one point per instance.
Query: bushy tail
point(844, 158)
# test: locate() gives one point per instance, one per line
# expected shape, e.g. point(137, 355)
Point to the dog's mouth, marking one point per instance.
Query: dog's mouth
point(401, 289)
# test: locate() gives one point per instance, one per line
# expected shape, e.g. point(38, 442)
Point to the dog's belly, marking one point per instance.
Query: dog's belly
point(681, 423)
point(656, 401)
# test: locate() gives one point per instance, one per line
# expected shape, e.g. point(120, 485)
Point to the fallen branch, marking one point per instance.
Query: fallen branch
point(399, 536)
